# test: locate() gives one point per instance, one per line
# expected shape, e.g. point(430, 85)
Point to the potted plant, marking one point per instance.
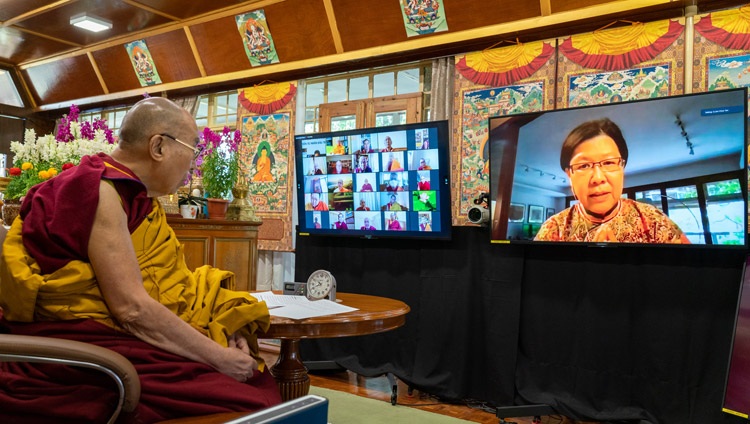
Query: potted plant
point(191, 201)
point(218, 165)
point(38, 159)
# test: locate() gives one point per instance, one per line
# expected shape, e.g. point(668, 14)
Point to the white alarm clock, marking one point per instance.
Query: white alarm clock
point(321, 284)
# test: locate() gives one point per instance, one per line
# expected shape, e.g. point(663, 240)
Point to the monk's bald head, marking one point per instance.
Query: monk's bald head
point(151, 116)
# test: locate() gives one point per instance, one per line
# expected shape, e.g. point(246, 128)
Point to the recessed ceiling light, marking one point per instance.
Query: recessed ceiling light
point(90, 22)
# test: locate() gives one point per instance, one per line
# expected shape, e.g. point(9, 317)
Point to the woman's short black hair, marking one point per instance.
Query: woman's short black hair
point(588, 130)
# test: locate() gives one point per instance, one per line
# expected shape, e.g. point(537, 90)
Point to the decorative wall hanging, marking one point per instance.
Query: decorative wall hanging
point(266, 161)
point(423, 16)
point(498, 67)
point(722, 50)
point(620, 48)
point(264, 99)
point(256, 37)
point(586, 88)
point(143, 63)
point(478, 102)
point(599, 67)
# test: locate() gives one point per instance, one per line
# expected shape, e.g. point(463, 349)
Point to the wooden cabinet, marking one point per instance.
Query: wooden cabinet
point(229, 245)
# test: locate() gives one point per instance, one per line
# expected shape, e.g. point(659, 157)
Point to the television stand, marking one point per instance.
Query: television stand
point(535, 411)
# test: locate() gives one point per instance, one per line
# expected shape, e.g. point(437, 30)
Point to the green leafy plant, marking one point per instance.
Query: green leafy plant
point(218, 164)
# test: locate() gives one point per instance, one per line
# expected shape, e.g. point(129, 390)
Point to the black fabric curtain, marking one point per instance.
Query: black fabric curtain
point(607, 334)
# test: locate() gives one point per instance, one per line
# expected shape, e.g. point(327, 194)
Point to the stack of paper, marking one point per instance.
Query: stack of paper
point(299, 307)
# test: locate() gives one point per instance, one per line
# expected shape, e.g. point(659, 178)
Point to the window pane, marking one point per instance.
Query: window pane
point(310, 114)
point(348, 122)
point(725, 219)
point(685, 212)
point(408, 81)
point(652, 197)
point(383, 85)
point(390, 118)
point(8, 92)
point(232, 104)
point(336, 91)
point(202, 107)
point(310, 127)
point(359, 88)
point(314, 94)
point(725, 210)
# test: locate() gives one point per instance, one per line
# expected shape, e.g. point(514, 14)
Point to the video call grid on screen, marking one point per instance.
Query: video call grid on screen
point(526, 177)
point(384, 180)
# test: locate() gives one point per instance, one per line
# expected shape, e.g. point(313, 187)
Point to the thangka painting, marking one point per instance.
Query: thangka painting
point(256, 37)
point(143, 63)
point(730, 71)
point(423, 16)
point(722, 55)
point(266, 159)
point(639, 61)
point(588, 89)
point(527, 74)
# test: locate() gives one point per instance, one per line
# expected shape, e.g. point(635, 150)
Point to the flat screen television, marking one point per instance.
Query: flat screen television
point(377, 182)
point(736, 401)
point(662, 171)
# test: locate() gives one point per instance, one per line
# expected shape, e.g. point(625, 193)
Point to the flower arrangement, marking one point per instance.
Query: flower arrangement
point(218, 163)
point(38, 159)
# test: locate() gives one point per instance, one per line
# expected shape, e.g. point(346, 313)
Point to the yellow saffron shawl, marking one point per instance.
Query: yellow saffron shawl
point(72, 291)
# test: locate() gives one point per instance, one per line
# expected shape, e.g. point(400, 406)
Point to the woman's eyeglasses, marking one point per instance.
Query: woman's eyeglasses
point(606, 165)
point(196, 150)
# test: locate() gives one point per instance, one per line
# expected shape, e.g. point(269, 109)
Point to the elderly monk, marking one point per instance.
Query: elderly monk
point(93, 259)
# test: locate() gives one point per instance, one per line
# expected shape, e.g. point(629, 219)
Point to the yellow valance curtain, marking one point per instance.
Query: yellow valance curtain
point(728, 28)
point(266, 99)
point(621, 48)
point(504, 66)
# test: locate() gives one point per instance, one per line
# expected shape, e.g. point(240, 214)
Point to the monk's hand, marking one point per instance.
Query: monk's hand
point(238, 342)
point(237, 364)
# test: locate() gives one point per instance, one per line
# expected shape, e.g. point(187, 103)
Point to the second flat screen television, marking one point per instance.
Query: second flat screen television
point(663, 171)
point(376, 182)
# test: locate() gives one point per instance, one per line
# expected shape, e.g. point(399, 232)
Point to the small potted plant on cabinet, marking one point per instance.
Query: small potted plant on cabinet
point(219, 166)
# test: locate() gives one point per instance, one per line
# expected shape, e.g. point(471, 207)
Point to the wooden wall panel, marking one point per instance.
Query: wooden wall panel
point(12, 8)
point(469, 14)
point(300, 29)
point(11, 129)
point(173, 56)
point(19, 47)
point(220, 46)
point(63, 80)
point(116, 68)
point(362, 27)
point(558, 6)
point(185, 9)
point(124, 17)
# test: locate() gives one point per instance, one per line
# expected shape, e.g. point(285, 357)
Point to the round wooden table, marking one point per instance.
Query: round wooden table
point(373, 315)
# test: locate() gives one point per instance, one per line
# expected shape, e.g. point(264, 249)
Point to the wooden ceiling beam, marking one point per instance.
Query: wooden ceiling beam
point(334, 27)
point(97, 72)
point(194, 49)
point(150, 9)
point(161, 29)
point(369, 53)
point(35, 12)
point(546, 7)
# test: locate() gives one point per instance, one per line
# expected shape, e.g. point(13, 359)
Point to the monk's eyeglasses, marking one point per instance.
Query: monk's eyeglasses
point(196, 150)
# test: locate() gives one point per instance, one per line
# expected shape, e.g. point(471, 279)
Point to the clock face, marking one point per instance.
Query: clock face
point(320, 284)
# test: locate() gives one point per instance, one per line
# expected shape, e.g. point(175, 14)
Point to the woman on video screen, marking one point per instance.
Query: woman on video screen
point(593, 156)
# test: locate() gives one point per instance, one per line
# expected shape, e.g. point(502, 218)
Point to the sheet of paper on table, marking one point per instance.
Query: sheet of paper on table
point(299, 307)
